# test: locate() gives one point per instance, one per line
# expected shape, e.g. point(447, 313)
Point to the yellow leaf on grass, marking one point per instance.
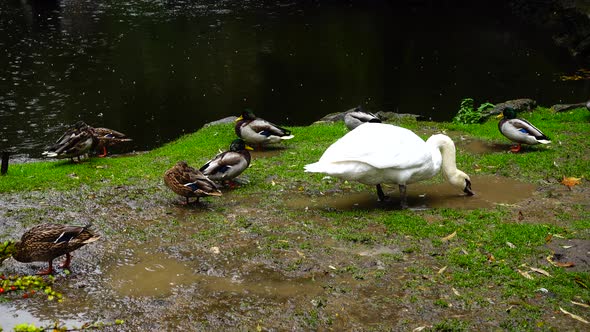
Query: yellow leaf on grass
point(570, 181)
point(576, 317)
point(525, 274)
point(541, 271)
point(448, 237)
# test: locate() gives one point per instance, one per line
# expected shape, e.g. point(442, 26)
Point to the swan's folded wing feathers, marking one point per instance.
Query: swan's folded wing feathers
point(379, 148)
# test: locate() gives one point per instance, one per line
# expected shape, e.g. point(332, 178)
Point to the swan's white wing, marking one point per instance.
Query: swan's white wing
point(381, 146)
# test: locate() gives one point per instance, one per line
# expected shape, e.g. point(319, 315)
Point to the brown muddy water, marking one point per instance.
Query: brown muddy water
point(489, 191)
point(259, 268)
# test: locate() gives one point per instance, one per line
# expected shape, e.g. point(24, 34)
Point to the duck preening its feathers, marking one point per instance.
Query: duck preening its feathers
point(257, 131)
point(188, 182)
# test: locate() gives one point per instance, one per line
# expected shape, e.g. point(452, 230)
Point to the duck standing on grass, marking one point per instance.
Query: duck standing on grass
point(107, 138)
point(357, 117)
point(519, 131)
point(227, 165)
point(45, 242)
point(377, 153)
point(188, 182)
point(257, 131)
point(78, 140)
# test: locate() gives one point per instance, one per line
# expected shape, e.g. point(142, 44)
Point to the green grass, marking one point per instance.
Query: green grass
point(485, 255)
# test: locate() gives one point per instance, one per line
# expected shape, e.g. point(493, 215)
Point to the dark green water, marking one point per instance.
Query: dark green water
point(158, 69)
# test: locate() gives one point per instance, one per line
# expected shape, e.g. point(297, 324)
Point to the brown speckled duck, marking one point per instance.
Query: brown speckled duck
point(45, 242)
point(107, 138)
point(78, 140)
point(188, 182)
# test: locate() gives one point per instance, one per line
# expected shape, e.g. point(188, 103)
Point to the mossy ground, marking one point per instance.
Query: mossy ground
point(363, 269)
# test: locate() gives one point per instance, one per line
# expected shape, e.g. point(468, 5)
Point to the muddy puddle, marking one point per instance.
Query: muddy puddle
point(141, 272)
point(489, 191)
point(15, 313)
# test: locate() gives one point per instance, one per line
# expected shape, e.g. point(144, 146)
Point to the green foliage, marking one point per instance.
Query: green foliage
point(26, 286)
point(467, 113)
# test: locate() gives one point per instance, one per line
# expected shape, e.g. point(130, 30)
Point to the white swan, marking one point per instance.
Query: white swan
point(376, 153)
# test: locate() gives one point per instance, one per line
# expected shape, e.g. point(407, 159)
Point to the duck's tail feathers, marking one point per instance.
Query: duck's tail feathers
point(287, 137)
point(544, 141)
point(49, 154)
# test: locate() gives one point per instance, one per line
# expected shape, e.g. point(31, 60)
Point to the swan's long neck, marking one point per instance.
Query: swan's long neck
point(447, 150)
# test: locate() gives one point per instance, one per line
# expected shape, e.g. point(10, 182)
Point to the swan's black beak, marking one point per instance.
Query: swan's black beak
point(467, 189)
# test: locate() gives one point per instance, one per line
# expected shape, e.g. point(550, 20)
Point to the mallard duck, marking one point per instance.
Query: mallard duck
point(257, 131)
point(75, 142)
point(188, 182)
point(377, 153)
point(107, 138)
point(45, 242)
point(519, 131)
point(357, 117)
point(229, 164)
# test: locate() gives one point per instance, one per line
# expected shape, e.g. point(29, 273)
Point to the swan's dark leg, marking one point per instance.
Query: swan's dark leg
point(403, 197)
point(380, 193)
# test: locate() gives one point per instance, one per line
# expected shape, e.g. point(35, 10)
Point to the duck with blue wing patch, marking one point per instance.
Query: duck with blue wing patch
point(45, 242)
point(226, 166)
point(188, 182)
point(519, 131)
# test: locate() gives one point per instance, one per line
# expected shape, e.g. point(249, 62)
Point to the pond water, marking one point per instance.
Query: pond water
point(157, 69)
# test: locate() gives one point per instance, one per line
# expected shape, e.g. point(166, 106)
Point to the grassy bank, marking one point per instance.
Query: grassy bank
point(465, 267)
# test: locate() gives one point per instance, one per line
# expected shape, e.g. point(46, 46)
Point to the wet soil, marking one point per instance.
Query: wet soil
point(242, 263)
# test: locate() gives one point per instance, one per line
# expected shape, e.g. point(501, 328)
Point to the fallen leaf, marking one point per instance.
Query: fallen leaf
point(581, 304)
point(580, 282)
point(540, 271)
point(548, 238)
point(576, 317)
point(570, 182)
point(510, 245)
point(559, 264)
point(491, 258)
point(525, 274)
point(566, 264)
point(456, 292)
point(442, 269)
point(566, 247)
point(418, 329)
point(448, 237)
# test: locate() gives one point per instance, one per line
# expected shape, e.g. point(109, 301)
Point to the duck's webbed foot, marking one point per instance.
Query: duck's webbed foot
point(46, 271)
point(515, 148)
point(66, 262)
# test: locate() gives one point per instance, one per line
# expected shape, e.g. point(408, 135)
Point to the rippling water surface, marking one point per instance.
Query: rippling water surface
point(158, 69)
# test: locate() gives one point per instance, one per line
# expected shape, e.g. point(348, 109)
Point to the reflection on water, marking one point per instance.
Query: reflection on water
point(157, 69)
point(489, 191)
